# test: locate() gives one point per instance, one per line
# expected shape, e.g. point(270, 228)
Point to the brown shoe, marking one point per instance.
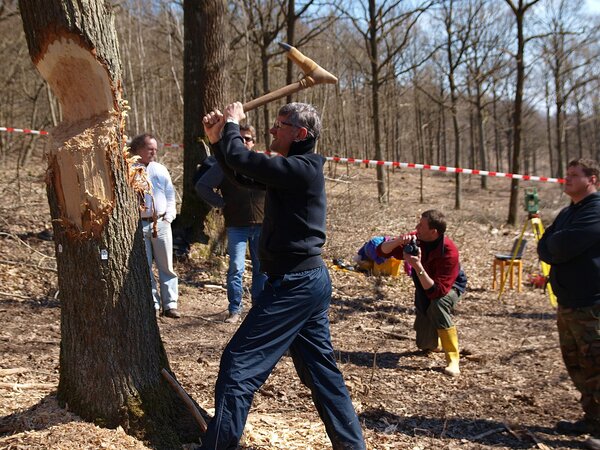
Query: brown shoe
point(233, 318)
point(172, 313)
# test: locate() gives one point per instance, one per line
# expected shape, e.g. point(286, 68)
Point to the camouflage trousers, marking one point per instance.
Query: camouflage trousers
point(579, 332)
point(433, 315)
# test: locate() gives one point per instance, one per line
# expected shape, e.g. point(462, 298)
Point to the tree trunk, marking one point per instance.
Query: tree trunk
point(579, 118)
point(291, 38)
point(483, 155)
point(517, 121)
point(264, 61)
point(558, 126)
point(111, 354)
point(519, 12)
point(549, 129)
point(204, 86)
point(456, 129)
point(381, 188)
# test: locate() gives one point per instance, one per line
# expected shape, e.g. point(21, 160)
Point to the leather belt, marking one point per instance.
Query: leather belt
point(149, 219)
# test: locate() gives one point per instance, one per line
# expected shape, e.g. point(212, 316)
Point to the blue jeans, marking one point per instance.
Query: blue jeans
point(236, 248)
point(290, 313)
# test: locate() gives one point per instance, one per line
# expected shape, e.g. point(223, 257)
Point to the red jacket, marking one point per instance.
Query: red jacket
point(440, 261)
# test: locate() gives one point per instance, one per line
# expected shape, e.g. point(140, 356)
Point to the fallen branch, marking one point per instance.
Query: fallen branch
point(214, 286)
point(21, 241)
point(486, 434)
point(337, 180)
point(19, 263)
point(4, 372)
point(534, 438)
point(186, 399)
point(13, 295)
point(17, 386)
point(389, 333)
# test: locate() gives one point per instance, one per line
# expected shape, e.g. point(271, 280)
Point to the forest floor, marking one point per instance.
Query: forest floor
point(512, 390)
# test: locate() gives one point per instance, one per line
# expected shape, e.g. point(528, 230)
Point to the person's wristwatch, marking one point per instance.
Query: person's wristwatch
point(420, 272)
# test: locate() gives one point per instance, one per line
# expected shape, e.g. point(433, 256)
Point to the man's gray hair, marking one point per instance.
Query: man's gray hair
point(303, 115)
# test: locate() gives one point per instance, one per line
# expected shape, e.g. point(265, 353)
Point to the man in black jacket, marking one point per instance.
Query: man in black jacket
point(571, 245)
point(243, 211)
point(291, 311)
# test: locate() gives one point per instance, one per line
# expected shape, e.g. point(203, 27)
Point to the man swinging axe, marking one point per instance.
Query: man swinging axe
point(291, 311)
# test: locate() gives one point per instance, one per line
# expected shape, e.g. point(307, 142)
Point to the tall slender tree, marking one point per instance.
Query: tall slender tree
point(568, 53)
point(386, 30)
point(458, 28)
point(519, 8)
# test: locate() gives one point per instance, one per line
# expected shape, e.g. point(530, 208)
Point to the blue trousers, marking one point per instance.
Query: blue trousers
point(236, 248)
point(290, 313)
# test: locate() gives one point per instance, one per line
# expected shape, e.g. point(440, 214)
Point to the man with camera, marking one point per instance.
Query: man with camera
point(439, 283)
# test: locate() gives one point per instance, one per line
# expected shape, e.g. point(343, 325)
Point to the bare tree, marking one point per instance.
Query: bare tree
point(205, 55)
point(483, 61)
point(111, 354)
point(458, 31)
point(519, 8)
point(386, 30)
point(568, 55)
point(313, 27)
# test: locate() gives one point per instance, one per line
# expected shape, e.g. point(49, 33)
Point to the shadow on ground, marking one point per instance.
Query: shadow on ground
point(488, 433)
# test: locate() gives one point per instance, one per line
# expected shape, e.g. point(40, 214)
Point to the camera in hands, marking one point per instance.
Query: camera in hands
point(412, 248)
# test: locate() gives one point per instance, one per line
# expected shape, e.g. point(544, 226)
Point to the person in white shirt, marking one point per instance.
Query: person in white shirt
point(158, 211)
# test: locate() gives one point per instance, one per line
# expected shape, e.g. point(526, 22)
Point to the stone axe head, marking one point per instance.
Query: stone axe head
point(313, 74)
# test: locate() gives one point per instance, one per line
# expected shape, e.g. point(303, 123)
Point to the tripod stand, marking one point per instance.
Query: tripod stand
point(533, 218)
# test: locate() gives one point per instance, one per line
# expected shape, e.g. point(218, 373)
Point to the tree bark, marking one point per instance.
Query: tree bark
point(111, 354)
point(373, 52)
point(519, 10)
point(454, 110)
point(204, 86)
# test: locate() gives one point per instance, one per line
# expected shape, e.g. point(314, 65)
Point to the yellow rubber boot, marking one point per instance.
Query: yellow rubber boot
point(449, 339)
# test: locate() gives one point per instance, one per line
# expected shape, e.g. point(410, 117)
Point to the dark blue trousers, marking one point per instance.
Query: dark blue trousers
point(290, 313)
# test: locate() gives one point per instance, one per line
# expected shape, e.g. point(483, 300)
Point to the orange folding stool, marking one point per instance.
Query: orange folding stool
point(503, 263)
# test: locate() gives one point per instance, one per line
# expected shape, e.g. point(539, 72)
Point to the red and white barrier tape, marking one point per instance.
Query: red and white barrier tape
point(373, 162)
point(22, 130)
point(485, 173)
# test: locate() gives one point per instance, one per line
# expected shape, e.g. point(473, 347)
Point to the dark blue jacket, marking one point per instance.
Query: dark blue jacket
point(571, 245)
point(293, 230)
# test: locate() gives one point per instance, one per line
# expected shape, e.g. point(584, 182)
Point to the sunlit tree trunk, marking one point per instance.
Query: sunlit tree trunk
point(204, 87)
point(111, 354)
point(519, 11)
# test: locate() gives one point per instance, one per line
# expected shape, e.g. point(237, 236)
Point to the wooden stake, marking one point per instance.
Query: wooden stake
point(186, 399)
